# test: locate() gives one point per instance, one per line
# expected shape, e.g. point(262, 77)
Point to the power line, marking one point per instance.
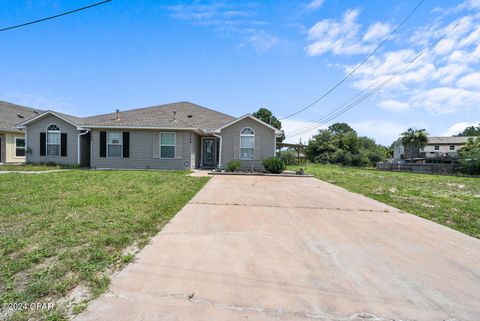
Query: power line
point(55, 16)
point(342, 109)
point(359, 65)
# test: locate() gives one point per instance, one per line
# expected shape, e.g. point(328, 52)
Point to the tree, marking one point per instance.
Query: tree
point(470, 157)
point(414, 138)
point(471, 131)
point(340, 144)
point(267, 116)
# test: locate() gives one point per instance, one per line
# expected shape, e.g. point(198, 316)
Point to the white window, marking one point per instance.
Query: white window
point(247, 144)
point(53, 140)
point(437, 147)
point(167, 145)
point(19, 147)
point(452, 147)
point(115, 143)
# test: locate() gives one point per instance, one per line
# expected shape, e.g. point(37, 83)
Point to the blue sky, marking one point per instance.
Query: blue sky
point(236, 57)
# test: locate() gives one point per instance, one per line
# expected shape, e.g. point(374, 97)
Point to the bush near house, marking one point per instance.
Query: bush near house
point(274, 165)
point(233, 165)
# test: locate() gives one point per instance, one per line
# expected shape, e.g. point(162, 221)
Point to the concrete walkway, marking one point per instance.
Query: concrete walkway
point(268, 248)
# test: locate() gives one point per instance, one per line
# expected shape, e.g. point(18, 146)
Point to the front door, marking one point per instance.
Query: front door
point(209, 153)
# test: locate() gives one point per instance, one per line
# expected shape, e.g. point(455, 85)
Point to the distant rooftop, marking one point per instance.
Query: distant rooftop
point(439, 140)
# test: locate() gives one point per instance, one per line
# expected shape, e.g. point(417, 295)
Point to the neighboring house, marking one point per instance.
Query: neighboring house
point(12, 140)
point(438, 149)
point(173, 136)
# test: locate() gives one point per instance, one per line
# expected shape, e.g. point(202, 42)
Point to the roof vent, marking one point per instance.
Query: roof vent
point(36, 112)
point(20, 116)
point(189, 116)
point(174, 115)
point(118, 114)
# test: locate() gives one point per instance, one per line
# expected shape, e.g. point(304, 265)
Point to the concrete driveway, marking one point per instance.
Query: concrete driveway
point(269, 248)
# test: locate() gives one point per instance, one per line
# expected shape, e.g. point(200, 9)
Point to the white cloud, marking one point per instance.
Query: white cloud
point(314, 4)
point(377, 31)
point(445, 99)
point(343, 37)
point(443, 80)
point(457, 128)
point(232, 20)
point(260, 40)
point(384, 131)
point(470, 81)
point(338, 37)
point(393, 105)
point(292, 125)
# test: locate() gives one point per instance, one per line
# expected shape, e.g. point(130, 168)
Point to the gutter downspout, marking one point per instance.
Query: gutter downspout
point(78, 144)
point(220, 151)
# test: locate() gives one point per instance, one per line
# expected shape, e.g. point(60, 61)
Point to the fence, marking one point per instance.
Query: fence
point(442, 169)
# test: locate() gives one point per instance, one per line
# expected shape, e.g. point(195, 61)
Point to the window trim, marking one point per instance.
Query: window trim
point(59, 132)
point(450, 147)
point(114, 144)
point(436, 147)
point(240, 144)
point(24, 147)
point(174, 145)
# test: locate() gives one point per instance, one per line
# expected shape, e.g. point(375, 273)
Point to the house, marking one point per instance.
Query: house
point(438, 149)
point(177, 136)
point(12, 140)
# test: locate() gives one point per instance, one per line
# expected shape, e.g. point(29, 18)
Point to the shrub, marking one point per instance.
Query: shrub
point(274, 165)
point(470, 162)
point(233, 165)
point(289, 157)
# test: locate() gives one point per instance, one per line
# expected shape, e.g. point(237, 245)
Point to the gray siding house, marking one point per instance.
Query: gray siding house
point(173, 136)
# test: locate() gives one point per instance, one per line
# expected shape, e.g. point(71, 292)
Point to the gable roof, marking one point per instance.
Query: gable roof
point(11, 115)
point(187, 116)
point(236, 120)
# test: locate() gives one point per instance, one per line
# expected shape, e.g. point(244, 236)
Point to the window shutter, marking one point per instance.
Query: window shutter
point(257, 154)
point(156, 145)
point(43, 144)
point(178, 145)
point(236, 147)
point(103, 144)
point(126, 144)
point(63, 144)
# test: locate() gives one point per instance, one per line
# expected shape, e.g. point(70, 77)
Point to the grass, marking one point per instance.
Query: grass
point(448, 200)
point(34, 167)
point(67, 231)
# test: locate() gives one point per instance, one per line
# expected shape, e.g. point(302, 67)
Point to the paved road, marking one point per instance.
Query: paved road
point(268, 248)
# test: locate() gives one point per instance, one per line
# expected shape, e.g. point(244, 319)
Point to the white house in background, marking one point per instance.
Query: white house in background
point(438, 149)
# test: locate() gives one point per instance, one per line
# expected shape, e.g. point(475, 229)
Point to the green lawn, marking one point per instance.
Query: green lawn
point(448, 200)
point(67, 232)
point(33, 167)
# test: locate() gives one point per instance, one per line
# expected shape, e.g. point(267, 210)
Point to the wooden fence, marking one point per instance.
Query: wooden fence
point(442, 169)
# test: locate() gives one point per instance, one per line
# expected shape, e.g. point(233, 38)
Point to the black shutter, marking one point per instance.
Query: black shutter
point(43, 142)
point(103, 144)
point(63, 144)
point(126, 144)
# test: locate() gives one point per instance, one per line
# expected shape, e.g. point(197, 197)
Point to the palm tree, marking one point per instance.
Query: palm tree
point(414, 138)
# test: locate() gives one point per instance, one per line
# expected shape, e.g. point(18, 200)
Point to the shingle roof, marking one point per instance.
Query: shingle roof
point(188, 115)
point(433, 140)
point(11, 115)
